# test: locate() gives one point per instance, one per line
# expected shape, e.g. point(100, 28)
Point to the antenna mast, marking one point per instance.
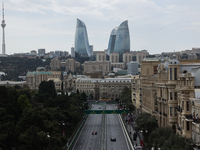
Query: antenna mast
point(3, 10)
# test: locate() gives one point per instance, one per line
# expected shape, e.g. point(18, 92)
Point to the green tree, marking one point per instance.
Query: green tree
point(146, 123)
point(36, 123)
point(77, 91)
point(83, 97)
point(46, 90)
point(3, 96)
point(126, 99)
point(23, 102)
point(61, 101)
point(164, 138)
point(9, 131)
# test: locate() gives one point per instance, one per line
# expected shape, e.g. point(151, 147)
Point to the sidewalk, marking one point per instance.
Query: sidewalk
point(131, 130)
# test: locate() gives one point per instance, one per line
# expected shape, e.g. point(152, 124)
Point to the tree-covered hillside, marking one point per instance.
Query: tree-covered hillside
point(16, 66)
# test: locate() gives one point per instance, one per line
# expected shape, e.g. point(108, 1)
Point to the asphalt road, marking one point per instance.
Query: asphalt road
point(87, 141)
point(113, 129)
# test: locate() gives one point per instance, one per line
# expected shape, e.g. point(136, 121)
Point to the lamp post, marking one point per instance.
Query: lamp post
point(48, 136)
point(62, 123)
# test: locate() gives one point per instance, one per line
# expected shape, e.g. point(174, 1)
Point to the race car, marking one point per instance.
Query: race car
point(94, 133)
point(113, 139)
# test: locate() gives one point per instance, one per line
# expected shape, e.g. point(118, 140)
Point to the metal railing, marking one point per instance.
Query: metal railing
point(71, 141)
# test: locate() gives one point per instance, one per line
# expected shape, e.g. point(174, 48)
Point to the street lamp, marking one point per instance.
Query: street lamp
point(48, 136)
point(62, 124)
point(141, 131)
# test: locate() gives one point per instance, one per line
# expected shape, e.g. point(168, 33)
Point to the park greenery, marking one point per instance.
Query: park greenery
point(16, 66)
point(40, 119)
point(160, 137)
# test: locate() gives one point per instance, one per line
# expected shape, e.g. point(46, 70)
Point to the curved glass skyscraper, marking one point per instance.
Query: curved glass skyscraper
point(119, 39)
point(81, 40)
point(111, 43)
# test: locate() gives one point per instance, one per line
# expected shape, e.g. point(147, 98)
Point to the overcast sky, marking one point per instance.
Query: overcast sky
point(155, 25)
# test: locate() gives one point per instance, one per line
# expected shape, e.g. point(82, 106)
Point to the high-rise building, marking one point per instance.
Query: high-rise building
point(3, 26)
point(81, 45)
point(111, 43)
point(119, 39)
point(133, 68)
point(41, 52)
point(127, 57)
point(91, 48)
point(72, 52)
point(101, 57)
point(114, 57)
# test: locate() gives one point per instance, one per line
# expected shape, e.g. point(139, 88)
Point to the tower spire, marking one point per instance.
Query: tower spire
point(3, 26)
point(3, 10)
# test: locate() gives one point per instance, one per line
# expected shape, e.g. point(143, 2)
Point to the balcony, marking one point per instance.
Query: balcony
point(188, 118)
point(196, 121)
point(164, 114)
point(179, 128)
point(160, 112)
point(159, 99)
point(196, 143)
point(179, 109)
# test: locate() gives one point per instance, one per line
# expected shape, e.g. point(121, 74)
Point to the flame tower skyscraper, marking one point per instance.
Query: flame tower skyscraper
point(3, 26)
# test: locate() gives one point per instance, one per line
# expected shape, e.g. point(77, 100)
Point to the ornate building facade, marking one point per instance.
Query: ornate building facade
point(166, 88)
point(103, 89)
point(33, 79)
point(68, 64)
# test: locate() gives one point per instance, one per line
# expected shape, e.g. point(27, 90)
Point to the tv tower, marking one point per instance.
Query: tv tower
point(3, 26)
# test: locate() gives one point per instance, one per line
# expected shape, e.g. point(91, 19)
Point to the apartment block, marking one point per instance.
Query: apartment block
point(92, 66)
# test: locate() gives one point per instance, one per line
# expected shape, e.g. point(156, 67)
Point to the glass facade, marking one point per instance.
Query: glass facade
point(112, 41)
point(81, 40)
point(119, 39)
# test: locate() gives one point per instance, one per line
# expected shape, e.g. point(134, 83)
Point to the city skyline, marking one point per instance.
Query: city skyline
point(153, 25)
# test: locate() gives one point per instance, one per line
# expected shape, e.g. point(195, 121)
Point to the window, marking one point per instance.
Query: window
point(160, 92)
point(188, 126)
point(171, 96)
point(171, 111)
point(175, 111)
point(155, 69)
point(175, 96)
point(170, 73)
point(188, 106)
point(175, 73)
